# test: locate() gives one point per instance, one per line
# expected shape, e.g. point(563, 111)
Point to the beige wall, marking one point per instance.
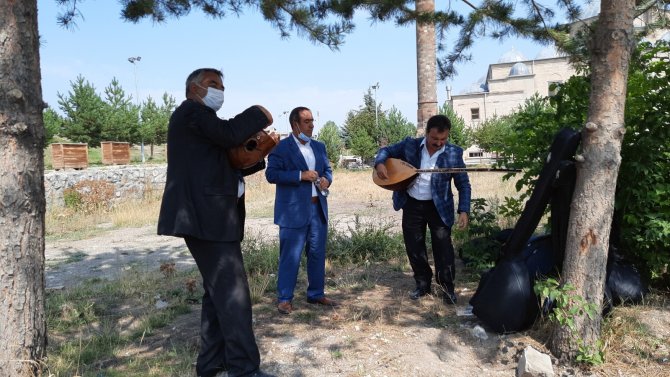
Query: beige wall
point(506, 93)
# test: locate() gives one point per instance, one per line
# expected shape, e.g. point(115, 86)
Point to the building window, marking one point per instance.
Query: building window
point(475, 154)
point(474, 113)
point(552, 87)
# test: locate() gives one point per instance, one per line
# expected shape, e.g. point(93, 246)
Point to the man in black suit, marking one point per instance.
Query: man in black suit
point(203, 202)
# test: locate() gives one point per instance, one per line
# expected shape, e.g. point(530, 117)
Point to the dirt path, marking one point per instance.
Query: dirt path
point(113, 251)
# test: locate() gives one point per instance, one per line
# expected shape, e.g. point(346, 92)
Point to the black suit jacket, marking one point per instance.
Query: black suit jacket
point(200, 197)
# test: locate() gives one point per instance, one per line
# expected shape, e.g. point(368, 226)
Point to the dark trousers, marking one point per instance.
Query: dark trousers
point(226, 335)
point(416, 215)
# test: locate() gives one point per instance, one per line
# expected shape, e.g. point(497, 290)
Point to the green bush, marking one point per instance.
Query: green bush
point(642, 202)
point(478, 248)
point(365, 242)
point(89, 195)
point(260, 257)
point(72, 198)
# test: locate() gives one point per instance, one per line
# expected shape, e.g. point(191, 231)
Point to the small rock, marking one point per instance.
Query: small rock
point(533, 363)
point(479, 332)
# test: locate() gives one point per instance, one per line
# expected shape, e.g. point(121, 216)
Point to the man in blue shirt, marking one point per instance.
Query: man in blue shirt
point(429, 201)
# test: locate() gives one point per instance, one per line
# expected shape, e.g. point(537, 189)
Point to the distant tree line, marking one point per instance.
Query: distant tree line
point(87, 117)
point(367, 129)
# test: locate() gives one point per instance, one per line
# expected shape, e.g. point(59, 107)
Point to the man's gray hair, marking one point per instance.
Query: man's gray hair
point(196, 76)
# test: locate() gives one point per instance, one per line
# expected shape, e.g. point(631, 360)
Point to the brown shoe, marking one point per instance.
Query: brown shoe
point(285, 307)
point(323, 301)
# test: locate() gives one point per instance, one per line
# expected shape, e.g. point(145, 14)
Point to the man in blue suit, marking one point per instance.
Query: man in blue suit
point(430, 201)
point(299, 167)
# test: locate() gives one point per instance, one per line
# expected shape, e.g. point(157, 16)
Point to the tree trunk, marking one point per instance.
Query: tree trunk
point(598, 165)
point(22, 203)
point(426, 67)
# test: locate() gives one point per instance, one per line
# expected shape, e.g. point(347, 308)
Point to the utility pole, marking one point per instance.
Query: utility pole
point(134, 60)
point(375, 87)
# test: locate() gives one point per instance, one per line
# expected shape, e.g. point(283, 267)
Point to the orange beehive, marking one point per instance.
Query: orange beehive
point(69, 155)
point(115, 152)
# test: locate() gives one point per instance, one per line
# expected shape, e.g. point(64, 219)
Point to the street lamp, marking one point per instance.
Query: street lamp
point(375, 87)
point(282, 126)
point(133, 60)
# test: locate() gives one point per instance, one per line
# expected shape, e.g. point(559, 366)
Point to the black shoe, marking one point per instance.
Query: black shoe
point(450, 298)
point(419, 292)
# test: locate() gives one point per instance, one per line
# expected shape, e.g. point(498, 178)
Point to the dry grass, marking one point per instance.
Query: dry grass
point(637, 339)
point(352, 192)
point(62, 222)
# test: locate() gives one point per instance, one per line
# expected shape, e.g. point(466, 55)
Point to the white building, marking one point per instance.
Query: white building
point(514, 78)
point(508, 83)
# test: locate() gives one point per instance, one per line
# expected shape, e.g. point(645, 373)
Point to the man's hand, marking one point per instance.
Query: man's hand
point(309, 175)
point(381, 171)
point(267, 114)
point(274, 136)
point(323, 183)
point(462, 220)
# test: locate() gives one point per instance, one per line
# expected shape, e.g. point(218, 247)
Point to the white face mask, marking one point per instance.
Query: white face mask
point(213, 99)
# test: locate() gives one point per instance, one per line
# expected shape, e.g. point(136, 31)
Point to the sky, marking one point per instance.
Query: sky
point(259, 66)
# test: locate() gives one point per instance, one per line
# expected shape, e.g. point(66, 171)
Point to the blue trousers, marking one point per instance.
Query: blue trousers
point(312, 237)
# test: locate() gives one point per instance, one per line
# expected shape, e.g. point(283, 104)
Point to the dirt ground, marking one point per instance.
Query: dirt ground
point(378, 330)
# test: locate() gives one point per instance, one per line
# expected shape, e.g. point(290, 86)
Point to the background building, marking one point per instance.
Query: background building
point(514, 78)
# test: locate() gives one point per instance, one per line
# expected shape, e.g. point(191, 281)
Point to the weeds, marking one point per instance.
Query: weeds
point(88, 324)
point(364, 242)
point(567, 306)
point(89, 195)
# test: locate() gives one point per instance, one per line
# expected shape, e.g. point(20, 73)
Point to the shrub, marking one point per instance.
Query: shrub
point(479, 249)
point(364, 242)
point(89, 195)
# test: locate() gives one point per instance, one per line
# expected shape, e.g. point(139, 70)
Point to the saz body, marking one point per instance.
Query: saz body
point(401, 174)
point(253, 150)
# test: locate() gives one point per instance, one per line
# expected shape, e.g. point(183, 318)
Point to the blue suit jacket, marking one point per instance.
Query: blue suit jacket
point(409, 150)
point(293, 196)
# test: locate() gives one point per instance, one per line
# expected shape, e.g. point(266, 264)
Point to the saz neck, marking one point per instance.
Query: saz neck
point(462, 170)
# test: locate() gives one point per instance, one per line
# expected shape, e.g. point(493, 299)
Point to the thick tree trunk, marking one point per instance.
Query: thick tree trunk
point(22, 203)
point(598, 165)
point(426, 67)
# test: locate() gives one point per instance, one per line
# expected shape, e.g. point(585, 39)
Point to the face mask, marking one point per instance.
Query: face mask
point(213, 99)
point(302, 136)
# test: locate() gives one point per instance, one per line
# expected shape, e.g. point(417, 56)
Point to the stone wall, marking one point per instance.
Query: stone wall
point(130, 181)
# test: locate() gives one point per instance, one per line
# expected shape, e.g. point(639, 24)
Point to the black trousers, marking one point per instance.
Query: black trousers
point(226, 335)
point(416, 215)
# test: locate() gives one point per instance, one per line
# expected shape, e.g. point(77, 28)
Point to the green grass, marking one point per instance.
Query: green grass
point(70, 257)
point(97, 321)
